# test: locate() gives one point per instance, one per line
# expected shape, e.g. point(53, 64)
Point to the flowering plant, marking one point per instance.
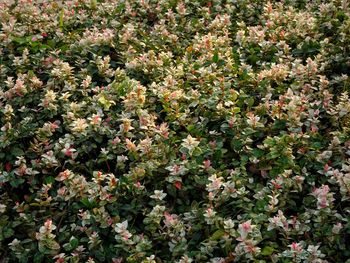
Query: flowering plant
point(174, 131)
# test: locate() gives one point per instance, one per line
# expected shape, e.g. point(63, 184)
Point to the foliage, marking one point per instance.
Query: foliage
point(169, 131)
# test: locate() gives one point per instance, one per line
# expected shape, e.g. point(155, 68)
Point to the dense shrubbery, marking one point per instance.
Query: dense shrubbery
point(168, 131)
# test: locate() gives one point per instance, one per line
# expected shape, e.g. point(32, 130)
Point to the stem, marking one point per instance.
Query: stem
point(108, 167)
point(62, 217)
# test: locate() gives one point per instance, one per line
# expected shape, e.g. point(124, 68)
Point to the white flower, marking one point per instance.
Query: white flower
point(123, 234)
point(336, 228)
point(209, 215)
point(14, 243)
point(216, 183)
point(253, 120)
point(229, 224)
point(190, 143)
point(159, 195)
point(315, 252)
point(121, 227)
point(122, 158)
point(79, 125)
point(2, 208)
point(185, 259)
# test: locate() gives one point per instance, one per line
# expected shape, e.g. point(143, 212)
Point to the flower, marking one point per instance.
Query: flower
point(170, 220)
point(278, 221)
point(79, 126)
point(216, 183)
point(244, 229)
point(178, 185)
point(190, 143)
point(2, 208)
point(130, 145)
point(229, 224)
point(123, 233)
point(209, 216)
point(158, 195)
point(324, 197)
point(296, 248)
point(337, 228)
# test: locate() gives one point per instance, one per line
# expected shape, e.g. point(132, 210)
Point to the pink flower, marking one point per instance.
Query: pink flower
point(207, 164)
point(178, 185)
point(244, 229)
point(62, 191)
point(324, 198)
point(170, 220)
point(68, 152)
point(48, 224)
point(247, 226)
point(60, 260)
point(62, 176)
point(212, 144)
point(110, 221)
point(137, 184)
point(116, 141)
point(54, 125)
point(314, 128)
point(295, 247)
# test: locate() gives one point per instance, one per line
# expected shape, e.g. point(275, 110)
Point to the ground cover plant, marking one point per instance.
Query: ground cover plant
point(174, 131)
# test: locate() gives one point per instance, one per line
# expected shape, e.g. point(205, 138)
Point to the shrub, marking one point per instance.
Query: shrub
point(169, 131)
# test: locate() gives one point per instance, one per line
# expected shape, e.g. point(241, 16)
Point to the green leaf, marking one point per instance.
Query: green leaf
point(250, 101)
point(260, 205)
point(217, 235)
point(38, 257)
point(236, 110)
point(15, 183)
point(236, 144)
point(215, 58)
point(17, 152)
point(49, 180)
point(61, 18)
point(98, 138)
point(206, 64)
point(8, 232)
point(190, 127)
point(88, 203)
point(93, 4)
point(100, 256)
point(234, 96)
point(47, 245)
point(74, 242)
point(258, 153)
point(221, 62)
point(279, 124)
point(267, 251)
